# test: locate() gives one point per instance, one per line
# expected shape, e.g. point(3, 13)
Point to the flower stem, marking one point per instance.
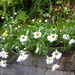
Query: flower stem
point(11, 59)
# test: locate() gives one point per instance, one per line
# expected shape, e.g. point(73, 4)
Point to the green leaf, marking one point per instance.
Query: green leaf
point(2, 1)
point(22, 3)
point(58, 2)
point(60, 24)
point(73, 15)
point(46, 15)
point(50, 9)
point(22, 16)
point(0, 12)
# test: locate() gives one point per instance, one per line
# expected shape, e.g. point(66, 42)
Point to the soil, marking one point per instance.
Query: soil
point(68, 53)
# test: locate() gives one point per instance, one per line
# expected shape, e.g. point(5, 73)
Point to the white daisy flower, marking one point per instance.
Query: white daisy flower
point(65, 8)
point(66, 36)
point(52, 37)
point(71, 41)
point(15, 13)
point(2, 17)
point(49, 60)
point(20, 58)
point(24, 48)
point(54, 29)
point(28, 31)
point(37, 50)
point(39, 20)
point(11, 17)
point(23, 38)
point(56, 54)
point(45, 20)
point(16, 47)
point(37, 34)
point(23, 56)
point(16, 20)
point(23, 52)
point(39, 30)
point(12, 22)
point(33, 20)
point(3, 54)
point(16, 28)
point(55, 66)
point(22, 43)
point(10, 26)
point(3, 63)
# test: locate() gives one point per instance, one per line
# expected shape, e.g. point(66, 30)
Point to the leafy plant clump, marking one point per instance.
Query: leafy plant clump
point(39, 35)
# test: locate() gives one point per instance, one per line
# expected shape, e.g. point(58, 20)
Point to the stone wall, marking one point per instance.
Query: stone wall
point(36, 65)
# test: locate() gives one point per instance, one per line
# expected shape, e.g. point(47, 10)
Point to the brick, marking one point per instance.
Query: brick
point(36, 65)
point(24, 70)
point(1, 70)
point(40, 71)
point(7, 71)
point(49, 72)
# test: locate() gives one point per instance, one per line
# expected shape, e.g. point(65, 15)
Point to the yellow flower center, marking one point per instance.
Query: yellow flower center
point(24, 53)
point(53, 36)
point(56, 54)
point(49, 59)
point(23, 37)
point(67, 36)
point(3, 53)
point(37, 34)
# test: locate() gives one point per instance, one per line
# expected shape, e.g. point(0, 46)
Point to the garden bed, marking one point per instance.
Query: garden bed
point(37, 38)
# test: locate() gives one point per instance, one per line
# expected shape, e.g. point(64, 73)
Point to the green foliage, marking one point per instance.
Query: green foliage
point(22, 16)
point(60, 20)
point(50, 9)
point(60, 24)
point(2, 1)
point(73, 15)
point(0, 12)
point(32, 43)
